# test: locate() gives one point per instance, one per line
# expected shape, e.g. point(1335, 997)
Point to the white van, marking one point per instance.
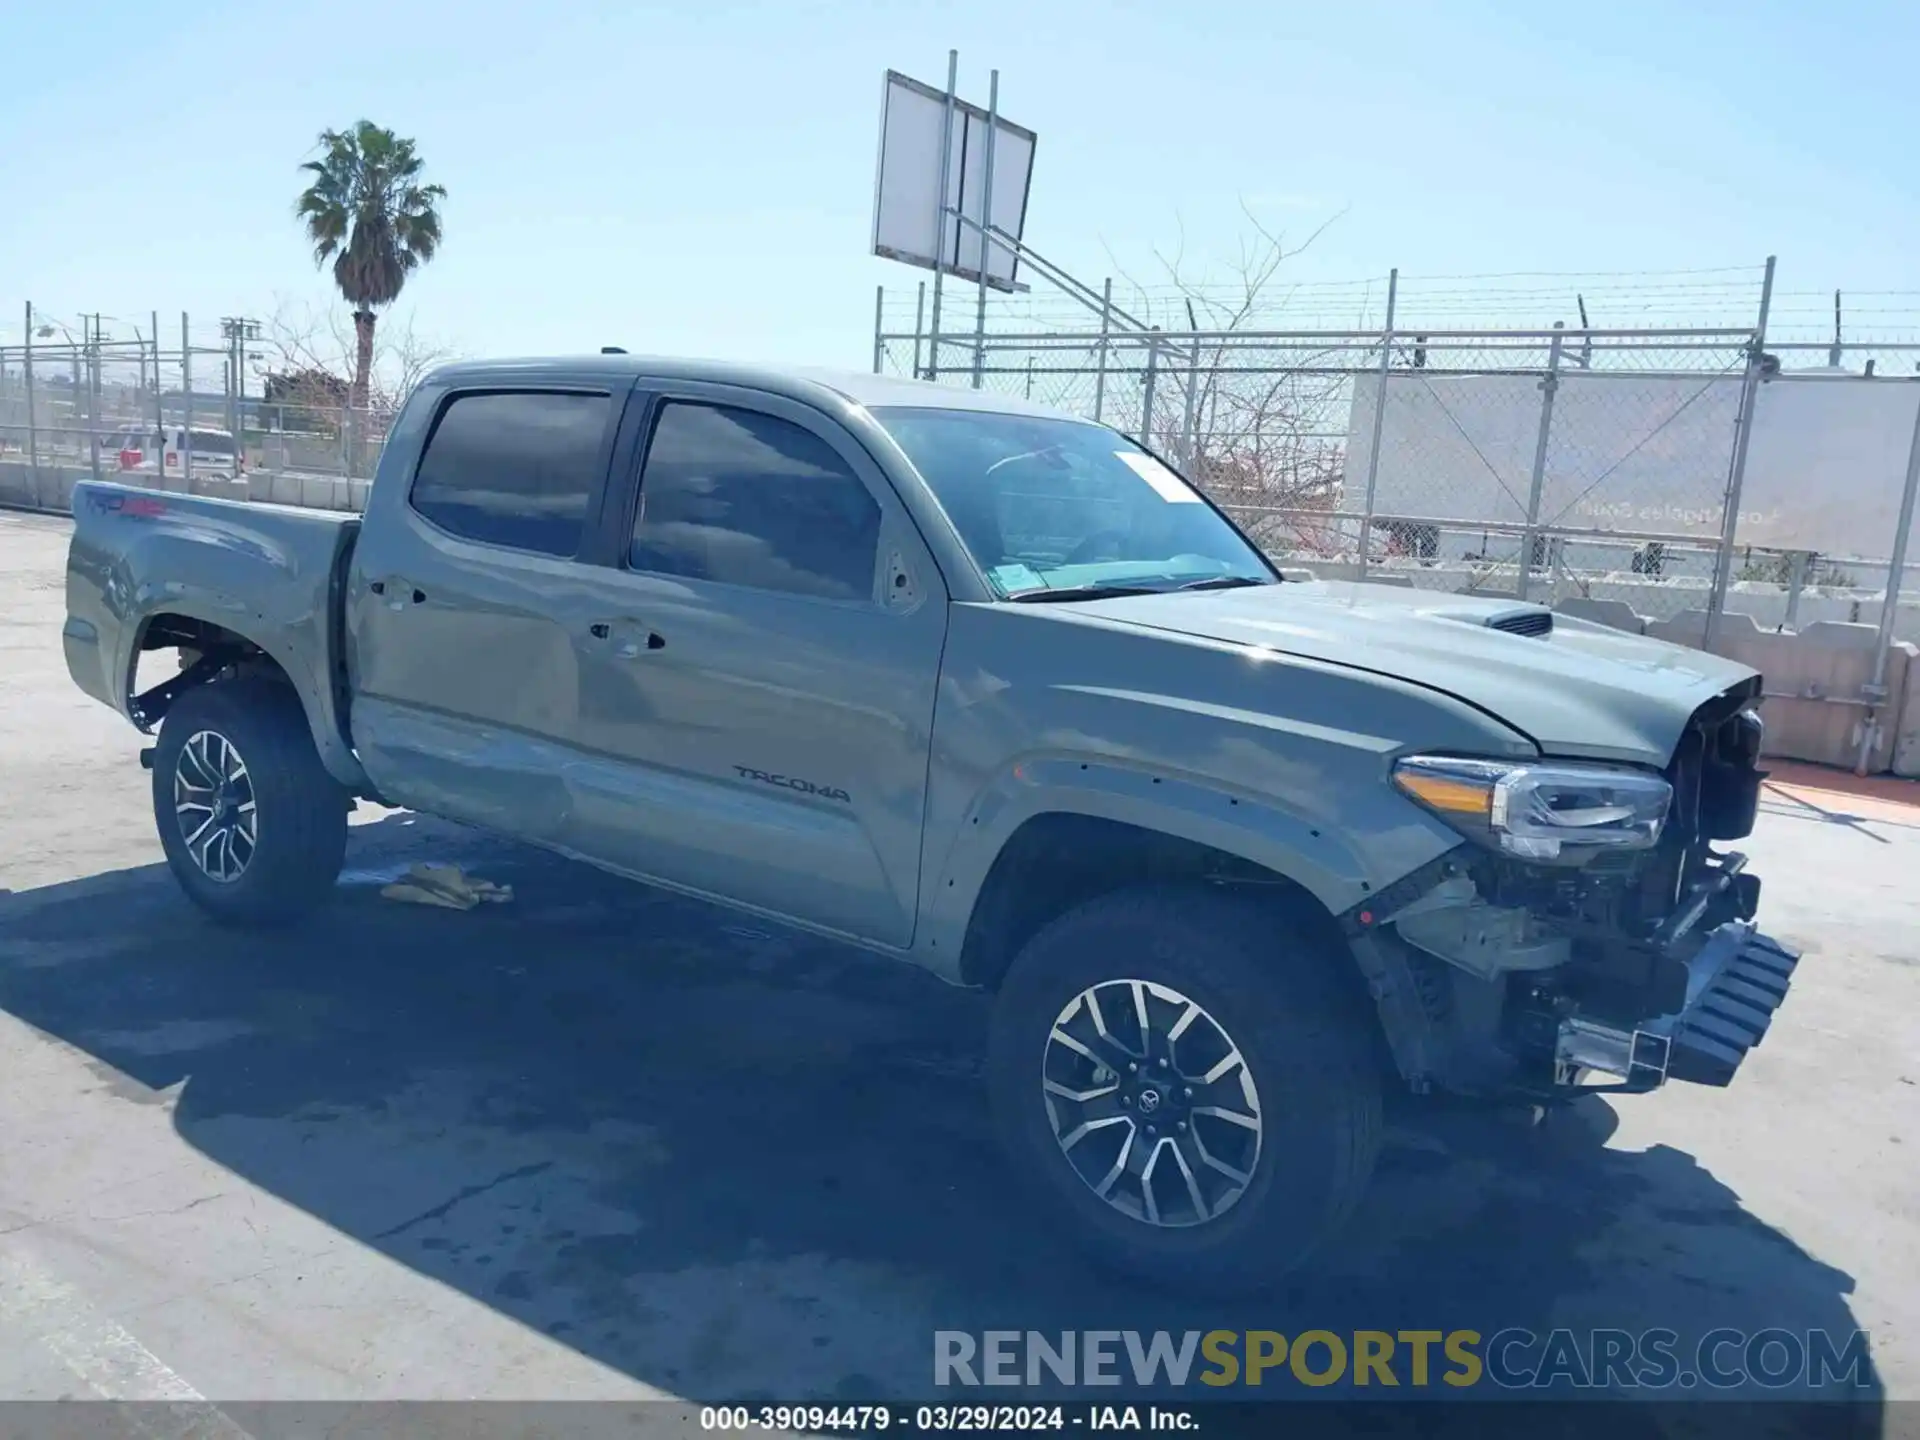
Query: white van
point(214, 451)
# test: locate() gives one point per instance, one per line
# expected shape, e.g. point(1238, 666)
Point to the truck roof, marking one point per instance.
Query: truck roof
point(798, 381)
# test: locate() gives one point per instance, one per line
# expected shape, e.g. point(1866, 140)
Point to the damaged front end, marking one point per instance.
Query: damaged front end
point(1590, 935)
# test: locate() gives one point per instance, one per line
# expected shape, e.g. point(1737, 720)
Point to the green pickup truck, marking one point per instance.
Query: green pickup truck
point(992, 690)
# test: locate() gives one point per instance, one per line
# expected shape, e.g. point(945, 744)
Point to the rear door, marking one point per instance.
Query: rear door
point(758, 680)
point(460, 604)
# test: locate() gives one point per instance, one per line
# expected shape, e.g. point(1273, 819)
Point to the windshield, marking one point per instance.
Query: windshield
point(1047, 504)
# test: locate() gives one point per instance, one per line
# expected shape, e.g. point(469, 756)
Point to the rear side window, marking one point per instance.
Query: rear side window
point(514, 469)
point(747, 499)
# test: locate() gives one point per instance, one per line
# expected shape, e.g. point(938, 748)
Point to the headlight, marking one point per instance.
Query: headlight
point(1535, 809)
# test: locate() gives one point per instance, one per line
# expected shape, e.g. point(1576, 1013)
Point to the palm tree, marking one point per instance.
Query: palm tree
point(367, 211)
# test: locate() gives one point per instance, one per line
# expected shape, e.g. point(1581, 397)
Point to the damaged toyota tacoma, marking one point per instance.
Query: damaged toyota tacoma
point(994, 691)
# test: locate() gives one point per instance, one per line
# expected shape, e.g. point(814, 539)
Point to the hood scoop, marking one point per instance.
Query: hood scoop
point(1533, 621)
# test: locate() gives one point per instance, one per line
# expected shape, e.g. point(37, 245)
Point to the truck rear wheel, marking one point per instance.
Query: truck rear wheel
point(1186, 1085)
point(253, 826)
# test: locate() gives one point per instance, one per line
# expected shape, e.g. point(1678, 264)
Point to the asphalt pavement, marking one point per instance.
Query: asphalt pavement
point(605, 1143)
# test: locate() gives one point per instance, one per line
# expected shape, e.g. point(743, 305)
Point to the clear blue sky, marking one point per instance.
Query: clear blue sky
point(698, 177)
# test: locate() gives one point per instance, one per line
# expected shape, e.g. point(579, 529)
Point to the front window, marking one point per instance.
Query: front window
point(1049, 504)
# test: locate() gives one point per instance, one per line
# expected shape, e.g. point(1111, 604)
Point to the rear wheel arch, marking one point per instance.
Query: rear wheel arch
point(211, 650)
point(223, 649)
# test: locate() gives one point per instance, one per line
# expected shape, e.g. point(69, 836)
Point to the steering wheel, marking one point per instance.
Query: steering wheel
point(1082, 553)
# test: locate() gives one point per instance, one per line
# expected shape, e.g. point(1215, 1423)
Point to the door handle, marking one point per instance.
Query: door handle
point(633, 649)
point(416, 595)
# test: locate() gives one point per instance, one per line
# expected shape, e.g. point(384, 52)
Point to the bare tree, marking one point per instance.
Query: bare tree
point(1259, 426)
point(311, 352)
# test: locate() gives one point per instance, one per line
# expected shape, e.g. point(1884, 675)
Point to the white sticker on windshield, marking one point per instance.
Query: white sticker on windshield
point(1167, 485)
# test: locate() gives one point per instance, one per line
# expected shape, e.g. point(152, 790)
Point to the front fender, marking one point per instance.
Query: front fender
point(1260, 829)
point(1279, 762)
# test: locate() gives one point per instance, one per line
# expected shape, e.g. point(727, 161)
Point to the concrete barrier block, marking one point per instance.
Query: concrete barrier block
point(16, 484)
point(1814, 685)
point(1688, 627)
point(1615, 614)
point(1840, 635)
point(1905, 723)
point(220, 487)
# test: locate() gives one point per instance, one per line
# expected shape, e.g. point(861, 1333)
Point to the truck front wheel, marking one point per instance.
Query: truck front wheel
point(1187, 1084)
point(253, 826)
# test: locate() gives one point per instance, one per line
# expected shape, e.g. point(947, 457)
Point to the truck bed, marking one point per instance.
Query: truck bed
point(143, 560)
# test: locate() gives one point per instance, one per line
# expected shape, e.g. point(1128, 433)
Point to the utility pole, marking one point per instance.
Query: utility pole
point(238, 330)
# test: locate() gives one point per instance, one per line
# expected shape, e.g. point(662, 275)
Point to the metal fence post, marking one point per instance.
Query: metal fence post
point(1146, 393)
point(1548, 387)
point(186, 388)
point(940, 215)
point(986, 233)
point(159, 408)
point(33, 433)
point(90, 329)
point(919, 321)
point(1875, 692)
point(1737, 472)
point(1190, 422)
point(1796, 582)
point(1100, 370)
point(1379, 423)
point(879, 328)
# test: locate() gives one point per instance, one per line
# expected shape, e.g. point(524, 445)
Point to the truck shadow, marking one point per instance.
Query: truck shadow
point(734, 1163)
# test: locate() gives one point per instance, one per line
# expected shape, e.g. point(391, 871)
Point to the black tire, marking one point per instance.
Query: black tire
point(1305, 1035)
point(299, 811)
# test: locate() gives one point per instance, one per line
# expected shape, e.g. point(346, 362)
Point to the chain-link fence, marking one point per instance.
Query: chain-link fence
point(197, 408)
point(1673, 469)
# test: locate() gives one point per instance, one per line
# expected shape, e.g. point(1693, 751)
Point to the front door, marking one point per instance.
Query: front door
point(466, 682)
point(761, 670)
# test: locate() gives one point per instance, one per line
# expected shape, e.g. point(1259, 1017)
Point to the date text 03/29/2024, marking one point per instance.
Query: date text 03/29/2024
point(742, 1419)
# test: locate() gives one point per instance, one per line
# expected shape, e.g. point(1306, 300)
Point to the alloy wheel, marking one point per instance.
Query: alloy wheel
point(213, 803)
point(1152, 1103)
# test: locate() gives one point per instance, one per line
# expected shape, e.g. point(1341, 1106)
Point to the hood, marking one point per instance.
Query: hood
point(1579, 689)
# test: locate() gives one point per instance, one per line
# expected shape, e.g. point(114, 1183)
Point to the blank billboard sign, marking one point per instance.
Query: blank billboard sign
point(906, 224)
point(1643, 453)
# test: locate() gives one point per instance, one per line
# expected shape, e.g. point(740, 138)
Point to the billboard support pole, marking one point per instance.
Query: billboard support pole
point(1875, 692)
point(986, 233)
point(1379, 423)
point(940, 214)
point(1737, 473)
point(879, 328)
point(1548, 387)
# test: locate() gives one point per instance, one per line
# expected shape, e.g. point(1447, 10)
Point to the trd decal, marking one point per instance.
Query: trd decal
point(788, 782)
